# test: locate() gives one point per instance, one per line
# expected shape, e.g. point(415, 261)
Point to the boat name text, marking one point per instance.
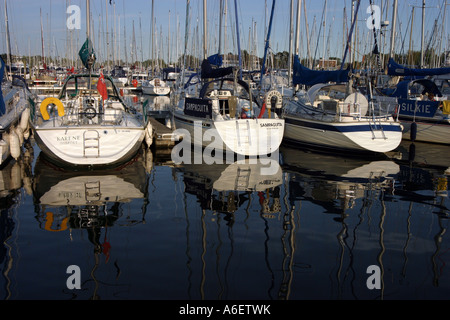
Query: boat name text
point(270, 124)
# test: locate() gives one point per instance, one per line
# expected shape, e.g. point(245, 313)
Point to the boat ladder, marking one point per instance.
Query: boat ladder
point(91, 144)
point(377, 129)
point(242, 178)
point(92, 191)
point(243, 133)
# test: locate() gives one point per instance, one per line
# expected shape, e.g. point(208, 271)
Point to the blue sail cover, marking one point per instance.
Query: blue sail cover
point(208, 72)
point(215, 60)
point(395, 69)
point(303, 75)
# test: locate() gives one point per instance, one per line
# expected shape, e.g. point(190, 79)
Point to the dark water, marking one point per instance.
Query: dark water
point(153, 230)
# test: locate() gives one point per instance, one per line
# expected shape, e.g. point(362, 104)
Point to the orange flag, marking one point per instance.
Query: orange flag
point(101, 87)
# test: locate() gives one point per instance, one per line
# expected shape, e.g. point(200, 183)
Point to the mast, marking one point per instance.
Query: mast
point(220, 26)
point(42, 38)
point(351, 32)
point(186, 36)
point(324, 34)
point(394, 23)
point(291, 36)
point(204, 31)
point(307, 37)
point(107, 38)
point(297, 30)
point(238, 40)
point(153, 37)
point(267, 44)
point(8, 43)
point(423, 35)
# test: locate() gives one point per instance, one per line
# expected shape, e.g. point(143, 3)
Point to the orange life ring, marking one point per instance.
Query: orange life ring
point(46, 102)
point(49, 219)
point(135, 83)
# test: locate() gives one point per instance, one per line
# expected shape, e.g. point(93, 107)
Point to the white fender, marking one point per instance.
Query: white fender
point(26, 134)
point(16, 177)
point(14, 144)
point(149, 134)
point(24, 119)
point(149, 161)
point(19, 132)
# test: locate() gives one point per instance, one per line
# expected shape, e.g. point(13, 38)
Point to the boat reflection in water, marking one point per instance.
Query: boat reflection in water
point(228, 206)
point(225, 187)
point(374, 226)
point(92, 201)
point(326, 179)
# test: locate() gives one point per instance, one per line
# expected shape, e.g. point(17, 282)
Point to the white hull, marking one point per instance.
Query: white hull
point(433, 132)
point(354, 136)
point(155, 91)
point(248, 137)
point(89, 145)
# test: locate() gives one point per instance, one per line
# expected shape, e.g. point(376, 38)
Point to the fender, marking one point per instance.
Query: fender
point(51, 100)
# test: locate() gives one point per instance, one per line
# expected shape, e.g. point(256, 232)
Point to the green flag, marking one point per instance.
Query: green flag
point(87, 54)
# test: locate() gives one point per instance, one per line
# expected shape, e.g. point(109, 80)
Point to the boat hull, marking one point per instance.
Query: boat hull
point(248, 137)
point(355, 137)
point(155, 91)
point(89, 146)
point(432, 131)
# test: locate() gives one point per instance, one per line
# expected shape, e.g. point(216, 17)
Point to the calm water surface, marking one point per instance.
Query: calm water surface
point(159, 231)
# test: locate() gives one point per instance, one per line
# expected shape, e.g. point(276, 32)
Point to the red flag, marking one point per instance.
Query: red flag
point(101, 87)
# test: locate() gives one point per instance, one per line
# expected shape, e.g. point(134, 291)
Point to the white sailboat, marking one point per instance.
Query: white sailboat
point(155, 87)
point(226, 109)
point(335, 117)
point(89, 124)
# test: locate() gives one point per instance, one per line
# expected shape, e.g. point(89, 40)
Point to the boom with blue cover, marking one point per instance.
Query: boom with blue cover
point(395, 69)
point(303, 75)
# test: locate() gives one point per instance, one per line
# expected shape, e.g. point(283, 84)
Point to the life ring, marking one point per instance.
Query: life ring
point(135, 83)
point(267, 101)
point(90, 112)
point(51, 100)
point(268, 98)
point(49, 219)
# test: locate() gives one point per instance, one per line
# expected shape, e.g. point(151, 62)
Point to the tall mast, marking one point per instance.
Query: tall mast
point(267, 44)
point(291, 40)
point(394, 23)
point(423, 34)
point(297, 30)
point(88, 18)
point(8, 43)
point(238, 39)
point(204, 31)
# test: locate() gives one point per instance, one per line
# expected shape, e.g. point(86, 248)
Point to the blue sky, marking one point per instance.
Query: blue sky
point(25, 26)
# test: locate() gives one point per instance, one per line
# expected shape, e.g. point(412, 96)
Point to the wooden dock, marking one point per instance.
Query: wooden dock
point(163, 137)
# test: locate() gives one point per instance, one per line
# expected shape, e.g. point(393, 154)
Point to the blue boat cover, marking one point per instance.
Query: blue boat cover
point(403, 86)
point(303, 75)
point(395, 69)
point(215, 60)
point(209, 73)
